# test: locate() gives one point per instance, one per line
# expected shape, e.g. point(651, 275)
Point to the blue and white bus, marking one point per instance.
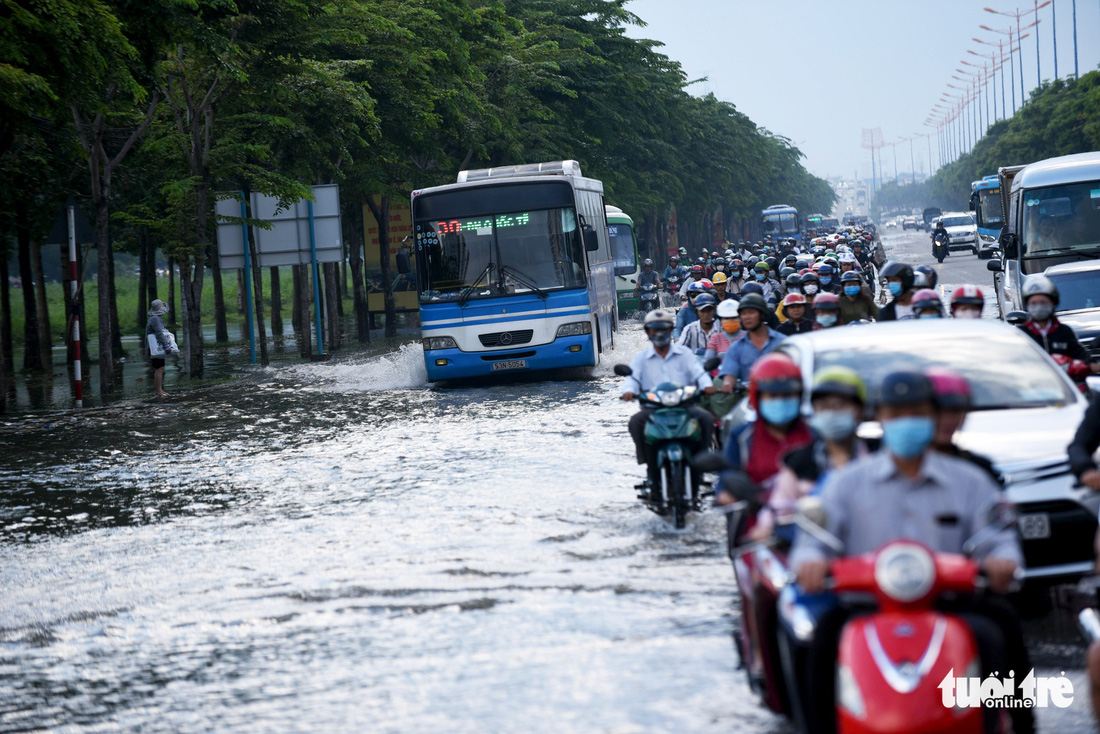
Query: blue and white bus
point(515, 271)
point(782, 223)
point(985, 202)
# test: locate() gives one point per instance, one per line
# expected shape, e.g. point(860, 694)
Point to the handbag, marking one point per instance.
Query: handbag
point(156, 350)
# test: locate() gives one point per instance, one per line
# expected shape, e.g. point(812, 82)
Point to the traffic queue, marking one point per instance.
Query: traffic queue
point(879, 539)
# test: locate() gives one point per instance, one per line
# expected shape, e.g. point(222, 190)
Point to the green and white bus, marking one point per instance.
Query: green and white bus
point(624, 252)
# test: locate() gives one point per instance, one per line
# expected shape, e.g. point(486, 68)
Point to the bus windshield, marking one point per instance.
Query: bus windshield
point(500, 255)
point(990, 215)
point(1061, 224)
point(622, 248)
point(781, 223)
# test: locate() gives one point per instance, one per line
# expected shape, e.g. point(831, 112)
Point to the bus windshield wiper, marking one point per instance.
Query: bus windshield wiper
point(522, 279)
point(469, 290)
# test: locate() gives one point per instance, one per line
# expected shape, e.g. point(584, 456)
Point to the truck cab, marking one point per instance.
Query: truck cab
point(1052, 216)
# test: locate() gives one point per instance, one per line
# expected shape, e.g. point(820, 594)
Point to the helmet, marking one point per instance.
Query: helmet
point(1039, 285)
point(905, 387)
point(705, 300)
point(827, 302)
point(673, 259)
point(751, 287)
point(647, 263)
point(697, 270)
point(761, 267)
point(753, 300)
point(839, 380)
point(785, 271)
point(793, 299)
point(825, 269)
point(660, 318)
point(683, 252)
point(719, 278)
point(774, 373)
point(708, 287)
point(926, 299)
point(695, 289)
point(895, 269)
point(728, 253)
point(700, 261)
point(790, 260)
point(810, 277)
point(728, 310)
point(792, 281)
point(850, 277)
point(967, 295)
point(952, 391)
point(753, 259)
point(773, 263)
point(930, 276)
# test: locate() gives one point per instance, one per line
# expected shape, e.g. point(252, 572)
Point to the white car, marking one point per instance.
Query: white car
point(962, 229)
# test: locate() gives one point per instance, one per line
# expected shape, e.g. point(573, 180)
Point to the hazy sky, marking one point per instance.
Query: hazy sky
point(819, 72)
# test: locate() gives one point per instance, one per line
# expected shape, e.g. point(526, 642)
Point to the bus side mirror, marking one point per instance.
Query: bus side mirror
point(591, 239)
point(404, 263)
point(993, 266)
point(973, 202)
point(1009, 243)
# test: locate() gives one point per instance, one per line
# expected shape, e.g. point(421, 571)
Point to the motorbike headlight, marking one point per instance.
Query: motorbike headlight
point(439, 342)
point(905, 571)
point(578, 328)
point(671, 399)
point(848, 694)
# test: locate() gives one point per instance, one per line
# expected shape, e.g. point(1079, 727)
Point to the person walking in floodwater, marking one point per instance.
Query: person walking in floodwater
point(164, 338)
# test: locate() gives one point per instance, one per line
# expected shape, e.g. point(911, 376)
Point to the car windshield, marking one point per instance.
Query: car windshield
point(784, 223)
point(1030, 383)
point(989, 208)
point(1078, 290)
point(622, 248)
point(957, 221)
point(500, 255)
point(1061, 224)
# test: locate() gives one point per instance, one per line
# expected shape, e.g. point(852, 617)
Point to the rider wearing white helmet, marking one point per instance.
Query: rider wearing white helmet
point(1041, 299)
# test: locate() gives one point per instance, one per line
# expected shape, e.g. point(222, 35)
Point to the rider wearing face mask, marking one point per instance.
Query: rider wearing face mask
point(826, 311)
point(759, 339)
point(662, 362)
point(826, 278)
point(856, 301)
point(1041, 298)
point(899, 281)
point(926, 304)
point(953, 399)
point(696, 334)
point(967, 302)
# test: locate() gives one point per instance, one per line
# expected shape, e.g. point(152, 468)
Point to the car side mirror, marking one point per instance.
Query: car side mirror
point(994, 266)
point(1016, 317)
point(404, 263)
point(1009, 244)
point(591, 240)
point(623, 370)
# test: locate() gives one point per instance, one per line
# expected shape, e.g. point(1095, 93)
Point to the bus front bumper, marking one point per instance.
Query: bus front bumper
point(454, 364)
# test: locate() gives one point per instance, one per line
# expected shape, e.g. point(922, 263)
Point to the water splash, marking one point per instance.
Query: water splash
point(398, 370)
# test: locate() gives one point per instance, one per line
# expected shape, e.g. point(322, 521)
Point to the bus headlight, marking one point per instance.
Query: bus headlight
point(578, 328)
point(439, 342)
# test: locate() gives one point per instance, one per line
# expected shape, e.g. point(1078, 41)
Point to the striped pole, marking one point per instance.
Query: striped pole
point(77, 377)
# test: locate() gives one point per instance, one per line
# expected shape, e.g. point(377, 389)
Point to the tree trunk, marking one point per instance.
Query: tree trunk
point(151, 265)
point(240, 291)
point(172, 291)
point(359, 295)
point(116, 328)
point(382, 216)
point(143, 280)
point(32, 356)
point(8, 365)
point(42, 306)
point(276, 303)
point(305, 340)
point(221, 328)
point(332, 300)
point(103, 290)
point(296, 299)
point(258, 298)
point(343, 289)
point(191, 277)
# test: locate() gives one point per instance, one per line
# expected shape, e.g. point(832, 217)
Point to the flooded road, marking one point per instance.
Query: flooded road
point(340, 546)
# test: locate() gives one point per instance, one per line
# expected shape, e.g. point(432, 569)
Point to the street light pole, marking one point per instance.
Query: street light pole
point(1075, 39)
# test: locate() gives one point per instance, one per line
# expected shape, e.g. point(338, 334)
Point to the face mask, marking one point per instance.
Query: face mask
point(851, 290)
point(779, 411)
point(809, 289)
point(929, 315)
point(761, 276)
point(895, 289)
point(833, 425)
point(968, 313)
point(908, 437)
point(731, 326)
point(826, 279)
point(826, 319)
point(661, 337)
point(1040, 311)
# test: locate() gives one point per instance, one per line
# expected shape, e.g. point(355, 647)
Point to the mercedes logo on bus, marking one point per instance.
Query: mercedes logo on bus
point(505, 338)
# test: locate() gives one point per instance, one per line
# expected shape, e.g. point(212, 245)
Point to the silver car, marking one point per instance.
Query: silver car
point(1025, 413)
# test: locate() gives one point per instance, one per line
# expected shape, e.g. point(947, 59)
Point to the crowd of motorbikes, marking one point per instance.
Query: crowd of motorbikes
point(899, 647)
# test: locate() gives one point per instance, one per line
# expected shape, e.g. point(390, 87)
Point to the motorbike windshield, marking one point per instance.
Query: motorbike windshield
point(1060, 224)
point(500, 255)
point(1032, 381)
point(622, 248)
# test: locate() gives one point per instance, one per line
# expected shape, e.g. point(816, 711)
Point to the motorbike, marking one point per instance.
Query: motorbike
point(674, 432)
point(939, 247)
point(893, 654)
point(1077, 370)
point(647, 298)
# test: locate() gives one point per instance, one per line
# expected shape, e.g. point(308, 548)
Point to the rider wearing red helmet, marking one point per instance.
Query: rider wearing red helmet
point(826, 311)
point(967, 302)
point(795, 310)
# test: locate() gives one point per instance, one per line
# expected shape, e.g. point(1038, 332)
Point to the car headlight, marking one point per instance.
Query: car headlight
point(848, 695)
point(439, 342)
point(577, 328)
point(989, 239)
point(905, 571)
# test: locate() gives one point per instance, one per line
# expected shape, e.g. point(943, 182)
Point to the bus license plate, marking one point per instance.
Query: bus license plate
point(514, 364)
point(1035, 526)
